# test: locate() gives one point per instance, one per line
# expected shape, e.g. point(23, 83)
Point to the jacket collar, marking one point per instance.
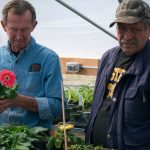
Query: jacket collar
point(114, 53)
point(137, 66)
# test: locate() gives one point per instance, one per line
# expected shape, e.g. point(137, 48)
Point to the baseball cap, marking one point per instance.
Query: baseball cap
point(131, 11)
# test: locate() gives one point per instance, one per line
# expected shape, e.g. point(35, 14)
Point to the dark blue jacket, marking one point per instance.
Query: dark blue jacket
point(132, 94)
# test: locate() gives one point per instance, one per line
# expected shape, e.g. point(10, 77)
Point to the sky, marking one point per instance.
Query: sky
point(68, 34)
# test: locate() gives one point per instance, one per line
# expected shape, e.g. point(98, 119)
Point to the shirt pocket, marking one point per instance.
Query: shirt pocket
point(131, 92)
point(130, 95)
point(135, 106)
point(33, 82)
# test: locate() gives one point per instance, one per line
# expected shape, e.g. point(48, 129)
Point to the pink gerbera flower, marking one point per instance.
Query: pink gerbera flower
point(7, 78)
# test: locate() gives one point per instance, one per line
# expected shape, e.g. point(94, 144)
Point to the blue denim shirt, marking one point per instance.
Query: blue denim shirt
point(43, 84)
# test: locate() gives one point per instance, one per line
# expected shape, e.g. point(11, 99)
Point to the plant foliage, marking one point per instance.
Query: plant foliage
point(57, 141)
point(82, 95)
point(20, 137)
point(86, 147)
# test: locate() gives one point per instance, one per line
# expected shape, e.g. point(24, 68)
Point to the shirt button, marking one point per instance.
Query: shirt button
point(108, 136)
point(114, 99)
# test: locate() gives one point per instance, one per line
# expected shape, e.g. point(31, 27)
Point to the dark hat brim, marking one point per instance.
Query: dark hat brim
point(128, 20)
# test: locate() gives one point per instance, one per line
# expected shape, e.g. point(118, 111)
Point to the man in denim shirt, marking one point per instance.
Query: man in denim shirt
point(37, 70)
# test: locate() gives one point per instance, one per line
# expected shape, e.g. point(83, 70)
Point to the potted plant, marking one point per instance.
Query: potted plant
point(56, 142)
point(86, 147)
point(79, 102)
point(15, 137)
point(80, 118)
point(82, 96)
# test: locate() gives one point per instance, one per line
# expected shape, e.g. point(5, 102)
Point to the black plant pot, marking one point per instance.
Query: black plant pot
point(38, 145)
point(71, 108)
point(80, 119)
point(68, 110)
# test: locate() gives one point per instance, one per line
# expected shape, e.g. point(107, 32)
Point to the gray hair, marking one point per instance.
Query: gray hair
point(18, 7)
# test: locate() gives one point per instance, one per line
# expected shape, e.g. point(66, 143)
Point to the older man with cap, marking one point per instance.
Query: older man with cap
point(120, 114)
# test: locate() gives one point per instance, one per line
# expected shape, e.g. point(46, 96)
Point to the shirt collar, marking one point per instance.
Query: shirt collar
point(31, 42)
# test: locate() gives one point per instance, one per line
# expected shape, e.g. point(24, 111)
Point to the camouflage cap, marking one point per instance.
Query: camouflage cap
point(131, 11)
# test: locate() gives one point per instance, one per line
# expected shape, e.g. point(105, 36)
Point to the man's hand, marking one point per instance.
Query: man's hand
point(4, 104)
point(25, 102)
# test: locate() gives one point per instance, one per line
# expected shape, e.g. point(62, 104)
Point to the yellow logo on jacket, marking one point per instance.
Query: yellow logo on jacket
point(115, 78)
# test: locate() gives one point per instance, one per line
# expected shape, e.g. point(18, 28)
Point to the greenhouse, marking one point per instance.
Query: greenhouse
point(74, 75)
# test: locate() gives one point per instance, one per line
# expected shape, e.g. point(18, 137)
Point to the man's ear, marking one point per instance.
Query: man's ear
point(34, 25)
point(3, 25)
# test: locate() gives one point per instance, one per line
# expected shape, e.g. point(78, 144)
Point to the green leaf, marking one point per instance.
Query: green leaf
point(21, 147)
point(50, 143)
point(3, 148)
point(37, 130)
point(58, 143)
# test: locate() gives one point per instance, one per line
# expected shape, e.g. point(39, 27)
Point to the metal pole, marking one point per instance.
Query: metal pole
point(86, 18)
point(88, 67)
point(63, 113)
